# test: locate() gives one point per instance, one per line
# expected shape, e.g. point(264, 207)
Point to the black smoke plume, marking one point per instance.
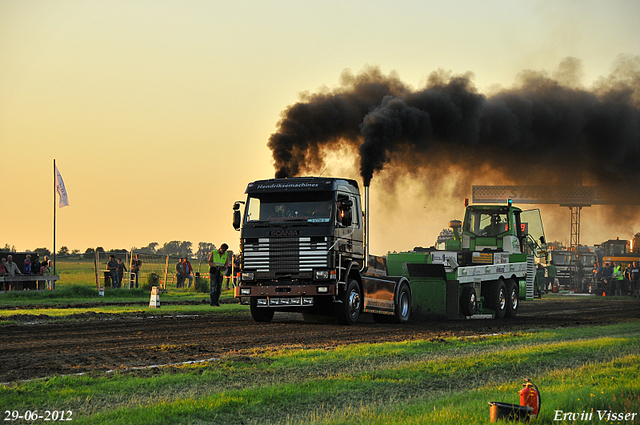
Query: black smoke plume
point(544, 130)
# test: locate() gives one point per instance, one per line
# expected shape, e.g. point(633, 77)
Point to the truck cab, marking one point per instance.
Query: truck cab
point(303, 249)
point(300, 240)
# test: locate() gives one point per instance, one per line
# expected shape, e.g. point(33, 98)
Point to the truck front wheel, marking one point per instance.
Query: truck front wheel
point(468, 301)
point(348, 309)
point(260, 314)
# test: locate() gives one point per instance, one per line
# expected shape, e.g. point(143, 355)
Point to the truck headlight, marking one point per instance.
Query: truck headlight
point(323, 289)
point(245, 291)
point(248, 276)
point(322, 274)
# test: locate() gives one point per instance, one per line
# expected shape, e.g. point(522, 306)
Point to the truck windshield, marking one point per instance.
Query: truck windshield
point(616, 247)
point(561, 258)
point(587, 260)
point(313, 207)
point(486, 222)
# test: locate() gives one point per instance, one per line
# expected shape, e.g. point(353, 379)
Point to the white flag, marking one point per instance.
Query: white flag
point(62, 192)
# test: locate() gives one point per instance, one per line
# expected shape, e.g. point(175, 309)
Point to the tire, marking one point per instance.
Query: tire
point(260, 314)
point(497, 298)
point(348, 310)
point(468, 301)
point(403, 305)
point(513, 298)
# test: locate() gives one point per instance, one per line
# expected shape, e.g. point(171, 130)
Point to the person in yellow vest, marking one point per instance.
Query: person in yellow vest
point(618, 278)
point(219, 260)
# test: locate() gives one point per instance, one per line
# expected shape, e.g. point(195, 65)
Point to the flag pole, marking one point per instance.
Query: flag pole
point(54, 217)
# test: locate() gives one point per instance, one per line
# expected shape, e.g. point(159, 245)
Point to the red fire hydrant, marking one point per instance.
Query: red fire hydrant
point(530, 396)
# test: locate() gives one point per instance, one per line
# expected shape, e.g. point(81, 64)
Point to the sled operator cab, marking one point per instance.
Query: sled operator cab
point(502, 228)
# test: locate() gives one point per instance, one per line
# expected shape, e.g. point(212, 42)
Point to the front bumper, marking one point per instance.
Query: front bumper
point(283, 291)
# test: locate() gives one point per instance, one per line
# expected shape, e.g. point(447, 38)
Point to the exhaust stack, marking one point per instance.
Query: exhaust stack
point(366, 231)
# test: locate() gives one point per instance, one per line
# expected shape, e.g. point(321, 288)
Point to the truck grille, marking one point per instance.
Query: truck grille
point(290, 255)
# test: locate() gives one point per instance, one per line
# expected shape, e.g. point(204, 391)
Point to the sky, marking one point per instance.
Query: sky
point(158, 113)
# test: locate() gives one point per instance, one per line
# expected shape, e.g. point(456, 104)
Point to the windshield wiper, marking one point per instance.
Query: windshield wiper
point(259, 224)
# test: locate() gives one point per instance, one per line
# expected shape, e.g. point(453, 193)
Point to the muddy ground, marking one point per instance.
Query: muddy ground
point(39, 346)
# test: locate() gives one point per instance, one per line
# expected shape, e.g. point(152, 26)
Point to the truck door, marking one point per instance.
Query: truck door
point(531, 222)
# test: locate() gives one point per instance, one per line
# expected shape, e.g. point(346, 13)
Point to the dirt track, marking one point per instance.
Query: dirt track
point(98, 342)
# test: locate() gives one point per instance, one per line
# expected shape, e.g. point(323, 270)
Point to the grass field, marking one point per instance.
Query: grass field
point(580, 371)
point(77, 287)
point(76, 271)
point(72, 300)
point(447, 381)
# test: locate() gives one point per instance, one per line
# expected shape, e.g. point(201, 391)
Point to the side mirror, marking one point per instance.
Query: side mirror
point(542, 240)
point(236, 216)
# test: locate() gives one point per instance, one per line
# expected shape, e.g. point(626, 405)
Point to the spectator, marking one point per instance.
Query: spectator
point(236, 269)
point(136, 263)
point(552, 271)
point(35, 266)
point(228, 270)
point(121, 270)
point(35, 270)
point(539, 280)
point(112, 266)
point(3, 270)
point(634, 277)
point(186, 266)
point(180, 273)
point(45, 267)
point(12, 268)
point(218, 262)
point(618, 279)
point(26, 268)
point(607, 276)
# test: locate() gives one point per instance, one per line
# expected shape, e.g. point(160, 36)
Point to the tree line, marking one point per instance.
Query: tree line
point(172, 249)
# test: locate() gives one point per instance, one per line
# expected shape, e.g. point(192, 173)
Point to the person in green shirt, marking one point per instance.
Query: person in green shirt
point(618, 278)
point(552, 271)
point(218, 261)
point(540, 280)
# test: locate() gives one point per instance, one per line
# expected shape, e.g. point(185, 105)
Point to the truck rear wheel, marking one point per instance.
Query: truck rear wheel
point(496, 297)
point(260, 314)
point(403, 305)
point(348, 310)
point(513, 298)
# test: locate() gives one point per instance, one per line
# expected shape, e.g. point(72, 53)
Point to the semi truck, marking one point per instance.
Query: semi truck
point(305, 248)
point(573, 269)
